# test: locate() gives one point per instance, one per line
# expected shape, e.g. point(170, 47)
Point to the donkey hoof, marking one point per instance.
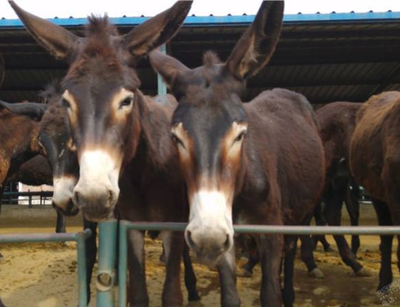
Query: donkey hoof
point(316, 273)
point(242, 272)
point(194, 297)
point(363, 272)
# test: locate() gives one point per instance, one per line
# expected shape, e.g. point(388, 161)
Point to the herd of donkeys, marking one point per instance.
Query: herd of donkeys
point(200, 154)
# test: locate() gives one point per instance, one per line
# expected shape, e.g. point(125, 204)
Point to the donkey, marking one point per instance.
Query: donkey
point(55, 140)
point(256, 163)
point(374, 162)
point(121, 137)
point(336, 123)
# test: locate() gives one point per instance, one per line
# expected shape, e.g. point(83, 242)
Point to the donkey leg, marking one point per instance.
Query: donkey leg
point(1, 303)
point(320, 221)
point(307, 257)
point(333, 215)
point(173, 247)
point(353, 208)
point(190, 277)
point(307, 254)
point(227, 278)
point(385, 273)
point(247, 269)
point(138, 296)
point(271, 248)
point(91, 252)
point(60, 224)
point(290, 254)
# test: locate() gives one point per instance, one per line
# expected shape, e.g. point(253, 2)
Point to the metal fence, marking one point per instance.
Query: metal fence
point(79, 238)
point(125, 226)
point(13, 198)
point(105, 279)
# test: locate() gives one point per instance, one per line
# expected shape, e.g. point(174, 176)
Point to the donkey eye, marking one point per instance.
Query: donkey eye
point(177, 140)
point(65, 103)
point(240, 137)
point(126, 102)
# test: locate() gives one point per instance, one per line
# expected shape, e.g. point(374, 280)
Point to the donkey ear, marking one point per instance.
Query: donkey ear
point(257, 44)
point(31, 109)
point(58, 41)
point(168, 67)
point(157, 30)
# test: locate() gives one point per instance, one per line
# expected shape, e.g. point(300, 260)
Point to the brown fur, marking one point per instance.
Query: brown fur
point(101, 64)
point(375, 144)
point(279, 174)
point(35, 171)
point(375, 163)
point(18, 135)
point(336, 123)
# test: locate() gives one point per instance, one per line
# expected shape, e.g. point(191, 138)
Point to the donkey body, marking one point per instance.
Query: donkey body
point(336, 123)
point(375, 162)
point(122, 146)
point(256, 163)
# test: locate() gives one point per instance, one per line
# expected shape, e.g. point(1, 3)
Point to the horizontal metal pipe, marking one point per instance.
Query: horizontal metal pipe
point(43, 237)
point(273, 229)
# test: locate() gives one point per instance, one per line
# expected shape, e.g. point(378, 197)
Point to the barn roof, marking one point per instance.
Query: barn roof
point(327, 57)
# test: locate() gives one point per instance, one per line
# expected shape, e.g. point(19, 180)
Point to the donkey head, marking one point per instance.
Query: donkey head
point(54, 139)
point(101, 95)
point(209, 128)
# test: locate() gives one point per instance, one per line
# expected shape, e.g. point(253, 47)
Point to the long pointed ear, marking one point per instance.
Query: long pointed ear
point(1, 69)
point(58, 41)
point(157, 30)
point(168, 67)
point(31, 109)
point(257, 44)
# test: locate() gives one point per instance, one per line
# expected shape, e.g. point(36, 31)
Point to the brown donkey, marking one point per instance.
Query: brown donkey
point(375, 164)
point(122, 137)
point(256, 163)
point(336, 123)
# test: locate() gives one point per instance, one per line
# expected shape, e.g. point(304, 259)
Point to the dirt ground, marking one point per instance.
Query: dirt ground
point(44, 275)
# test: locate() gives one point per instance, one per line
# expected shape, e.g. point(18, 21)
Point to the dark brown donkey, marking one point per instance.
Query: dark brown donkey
point(375, 162)
point(336, 124)
point(117, 130)
point(256, 163)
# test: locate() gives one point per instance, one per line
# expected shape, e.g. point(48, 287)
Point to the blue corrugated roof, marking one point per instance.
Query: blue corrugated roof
point(219, 20)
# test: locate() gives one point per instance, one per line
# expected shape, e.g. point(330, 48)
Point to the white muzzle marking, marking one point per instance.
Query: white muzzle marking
point(63, 191)
point(210, 230)
point(98, 171)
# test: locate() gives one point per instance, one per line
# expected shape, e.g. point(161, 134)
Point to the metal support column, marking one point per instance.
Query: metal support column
point(162, 87)
point(105, 278)
point(122, 263)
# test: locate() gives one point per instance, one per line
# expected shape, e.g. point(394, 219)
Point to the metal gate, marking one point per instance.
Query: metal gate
point(78, 237)
point(105, 279)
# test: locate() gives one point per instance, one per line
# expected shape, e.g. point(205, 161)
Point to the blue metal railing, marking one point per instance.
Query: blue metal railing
point(79, 238)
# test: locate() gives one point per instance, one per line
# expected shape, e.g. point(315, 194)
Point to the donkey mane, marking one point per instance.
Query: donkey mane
point(210, 58)
point(55, 114)
point(100, 52)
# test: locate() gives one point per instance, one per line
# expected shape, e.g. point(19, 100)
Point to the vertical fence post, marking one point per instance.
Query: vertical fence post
point(82, 278)
point(161, 86)
point(105, 278)
point(122, 263)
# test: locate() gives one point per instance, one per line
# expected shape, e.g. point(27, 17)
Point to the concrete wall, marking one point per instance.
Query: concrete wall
point(22, 216)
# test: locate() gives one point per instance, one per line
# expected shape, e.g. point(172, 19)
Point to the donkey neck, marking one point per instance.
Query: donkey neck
point(154, 151)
